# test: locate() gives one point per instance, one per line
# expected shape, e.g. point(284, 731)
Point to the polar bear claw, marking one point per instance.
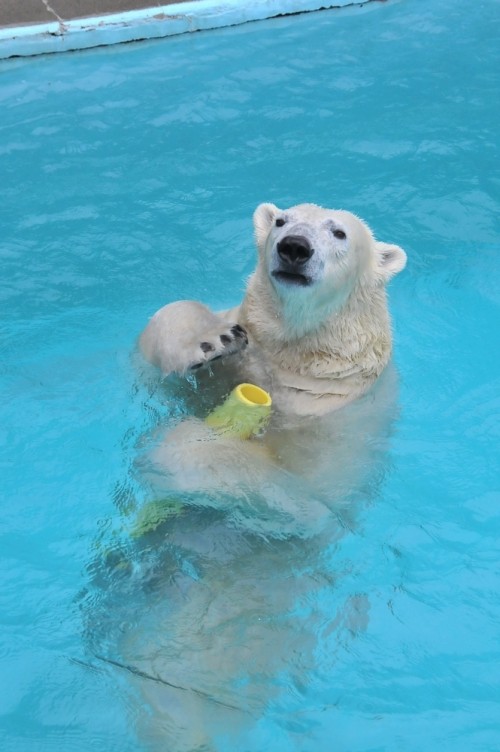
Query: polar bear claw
point(231, 341)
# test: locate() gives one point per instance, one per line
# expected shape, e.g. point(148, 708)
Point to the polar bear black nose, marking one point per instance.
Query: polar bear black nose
point(294, 249)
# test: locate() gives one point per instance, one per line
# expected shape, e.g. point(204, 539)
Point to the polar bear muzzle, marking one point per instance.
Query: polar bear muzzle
point(294, 251)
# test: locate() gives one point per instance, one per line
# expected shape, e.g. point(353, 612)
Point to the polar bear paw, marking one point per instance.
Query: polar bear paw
point(231, 341)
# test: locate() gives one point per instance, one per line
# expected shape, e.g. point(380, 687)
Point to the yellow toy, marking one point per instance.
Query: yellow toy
point(245, 412)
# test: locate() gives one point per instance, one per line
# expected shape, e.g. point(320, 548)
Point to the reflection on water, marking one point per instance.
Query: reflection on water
point(215, 603)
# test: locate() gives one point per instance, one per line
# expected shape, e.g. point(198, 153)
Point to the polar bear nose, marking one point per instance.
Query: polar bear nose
point(294, 249)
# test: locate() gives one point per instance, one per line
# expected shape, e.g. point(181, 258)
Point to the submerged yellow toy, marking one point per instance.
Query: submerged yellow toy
point(245, 412)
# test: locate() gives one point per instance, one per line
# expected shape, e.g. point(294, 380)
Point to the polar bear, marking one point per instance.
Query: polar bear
point(313, 330)
point(239, 581)
point(313, 327)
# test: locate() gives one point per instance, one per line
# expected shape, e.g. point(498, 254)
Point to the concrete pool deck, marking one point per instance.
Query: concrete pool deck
point(20, 12)
point(32, 27)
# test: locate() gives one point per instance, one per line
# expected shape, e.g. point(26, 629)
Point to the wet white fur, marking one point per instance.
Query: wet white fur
point(316, 348)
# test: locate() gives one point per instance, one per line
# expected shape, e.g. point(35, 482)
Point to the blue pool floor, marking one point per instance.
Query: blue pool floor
point(128, 179)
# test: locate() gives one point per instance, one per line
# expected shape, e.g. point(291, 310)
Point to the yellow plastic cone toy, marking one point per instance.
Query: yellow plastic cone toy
point(244, 413)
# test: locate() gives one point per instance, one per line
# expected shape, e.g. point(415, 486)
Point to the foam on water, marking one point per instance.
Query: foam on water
point(128, 179)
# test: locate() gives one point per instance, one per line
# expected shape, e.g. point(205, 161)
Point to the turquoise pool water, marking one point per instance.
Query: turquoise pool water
point(128, 179)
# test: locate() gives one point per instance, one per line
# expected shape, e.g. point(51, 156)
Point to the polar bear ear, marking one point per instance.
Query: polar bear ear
point(390, 260)
point(263, 218)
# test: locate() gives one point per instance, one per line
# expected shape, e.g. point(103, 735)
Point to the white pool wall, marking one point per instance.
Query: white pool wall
point(149, 23)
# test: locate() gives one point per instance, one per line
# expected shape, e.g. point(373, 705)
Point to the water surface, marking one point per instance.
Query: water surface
point(128, 179)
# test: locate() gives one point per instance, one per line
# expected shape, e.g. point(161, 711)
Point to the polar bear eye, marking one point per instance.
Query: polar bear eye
point(280, 222)
point(339, 234)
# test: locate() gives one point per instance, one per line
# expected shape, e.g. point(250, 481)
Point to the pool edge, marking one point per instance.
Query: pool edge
point(149, 23)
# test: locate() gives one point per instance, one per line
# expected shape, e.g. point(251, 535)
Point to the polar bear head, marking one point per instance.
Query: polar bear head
point(321, 254)
point(315, 308)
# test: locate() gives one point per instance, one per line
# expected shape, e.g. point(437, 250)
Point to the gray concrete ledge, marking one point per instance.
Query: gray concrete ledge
point(22, 12)
point(33, 27)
